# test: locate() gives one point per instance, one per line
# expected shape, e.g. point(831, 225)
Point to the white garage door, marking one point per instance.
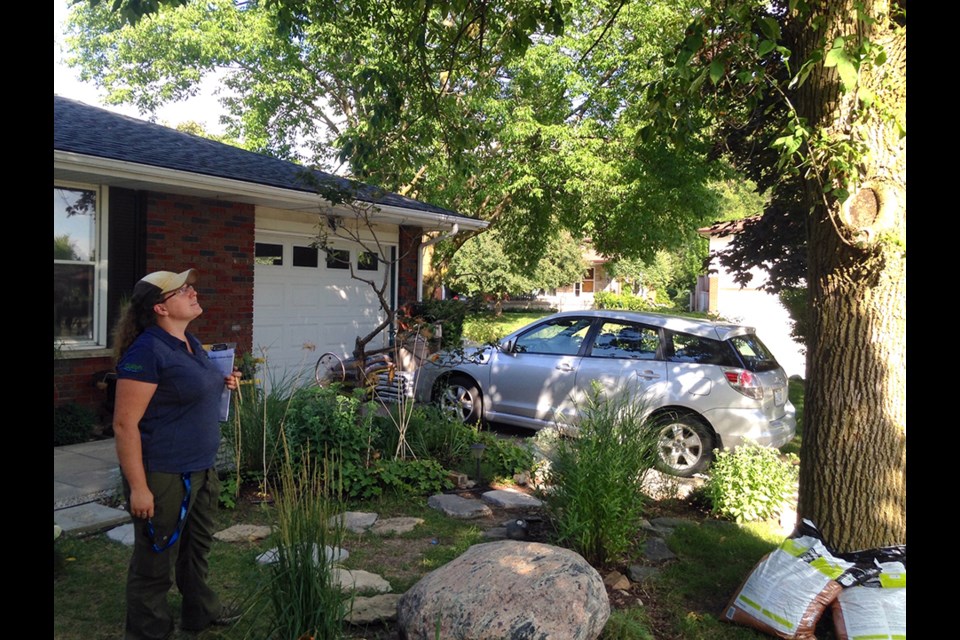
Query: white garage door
point(305, 302)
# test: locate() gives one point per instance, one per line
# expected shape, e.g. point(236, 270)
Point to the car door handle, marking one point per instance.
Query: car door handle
point(648, 375)
point(564, 366)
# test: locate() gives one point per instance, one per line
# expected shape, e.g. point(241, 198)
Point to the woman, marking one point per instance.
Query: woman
point(167, 429)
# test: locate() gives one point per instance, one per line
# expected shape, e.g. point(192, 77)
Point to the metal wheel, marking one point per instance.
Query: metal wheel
point(684, 443)
point(460, 399)
point(329, 370)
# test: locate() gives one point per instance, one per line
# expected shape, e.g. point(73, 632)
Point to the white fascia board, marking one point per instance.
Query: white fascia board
point(125, 173)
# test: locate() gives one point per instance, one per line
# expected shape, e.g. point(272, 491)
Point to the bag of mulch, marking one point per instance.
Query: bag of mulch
point(787, 592)
point(877, 606)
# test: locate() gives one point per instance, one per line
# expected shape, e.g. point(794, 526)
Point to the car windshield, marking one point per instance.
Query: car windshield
point(755, 355)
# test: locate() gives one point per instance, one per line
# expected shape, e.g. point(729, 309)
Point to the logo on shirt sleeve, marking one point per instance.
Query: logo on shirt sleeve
point(132, 367)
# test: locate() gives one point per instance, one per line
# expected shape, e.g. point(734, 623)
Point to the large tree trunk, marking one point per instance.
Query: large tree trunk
point(853, 469)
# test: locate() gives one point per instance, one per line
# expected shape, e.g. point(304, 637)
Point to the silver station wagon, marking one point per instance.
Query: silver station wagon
point(704, 385)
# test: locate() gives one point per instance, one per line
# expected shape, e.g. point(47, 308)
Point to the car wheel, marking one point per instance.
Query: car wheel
point(684, 443)
point(460, 399)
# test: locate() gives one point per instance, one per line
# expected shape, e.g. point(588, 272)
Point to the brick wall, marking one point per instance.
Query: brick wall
point(407, 269)
point(216, 239)
point(212, 236)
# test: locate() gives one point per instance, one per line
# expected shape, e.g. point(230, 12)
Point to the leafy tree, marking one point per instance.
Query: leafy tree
point(810, 98)
point(481, 268)
point(487, 108)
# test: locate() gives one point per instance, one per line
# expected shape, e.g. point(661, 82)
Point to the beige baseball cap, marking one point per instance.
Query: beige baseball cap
point(154, 286)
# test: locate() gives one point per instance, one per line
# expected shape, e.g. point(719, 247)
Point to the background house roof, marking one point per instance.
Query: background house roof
point(91, 131)
point(726, 228)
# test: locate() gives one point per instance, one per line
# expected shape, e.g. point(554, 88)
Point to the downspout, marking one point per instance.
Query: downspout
point(454, 230)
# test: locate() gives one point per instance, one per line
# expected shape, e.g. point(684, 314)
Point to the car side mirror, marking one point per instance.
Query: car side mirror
point(507, 347)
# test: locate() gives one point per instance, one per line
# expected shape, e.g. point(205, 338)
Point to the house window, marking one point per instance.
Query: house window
point(268, 254)
point(368, 261)
point(338, 259)
point(587, 286)
point(76, 259)
point(305, 257)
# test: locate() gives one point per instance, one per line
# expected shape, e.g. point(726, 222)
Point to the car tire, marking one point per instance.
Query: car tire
point(684, 444)
point(459, 398)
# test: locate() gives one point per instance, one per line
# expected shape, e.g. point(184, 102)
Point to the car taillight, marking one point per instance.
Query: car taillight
point(745, 382)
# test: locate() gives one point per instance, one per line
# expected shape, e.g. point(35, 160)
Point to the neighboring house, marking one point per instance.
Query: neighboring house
point(579, 295)
point(718, 293)
point(131, 197)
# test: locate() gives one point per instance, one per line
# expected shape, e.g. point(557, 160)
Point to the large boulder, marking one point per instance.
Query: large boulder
point(507, 590)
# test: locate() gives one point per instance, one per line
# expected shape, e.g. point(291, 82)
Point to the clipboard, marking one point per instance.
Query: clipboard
point(222, 355)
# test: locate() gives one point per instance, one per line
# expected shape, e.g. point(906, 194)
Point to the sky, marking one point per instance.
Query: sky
point(203, 109)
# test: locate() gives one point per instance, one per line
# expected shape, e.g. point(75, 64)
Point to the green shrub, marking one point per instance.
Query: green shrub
point(430, 434)
point(450, 313)
point(595, 501)
point(333, 425)
point(504, 457)
point(750, 483)
point(72, 424)
point(413, 477)
point(626, 301)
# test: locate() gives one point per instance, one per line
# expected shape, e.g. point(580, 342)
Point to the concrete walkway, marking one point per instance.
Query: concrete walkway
point(83, 475)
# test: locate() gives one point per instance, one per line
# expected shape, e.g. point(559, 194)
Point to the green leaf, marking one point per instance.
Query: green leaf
point(881, 58)
point(716, 71)
point(766, 47)
point(770, 28)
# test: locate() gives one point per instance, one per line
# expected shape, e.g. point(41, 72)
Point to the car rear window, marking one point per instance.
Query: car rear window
point(755, 355)
point(687, 348)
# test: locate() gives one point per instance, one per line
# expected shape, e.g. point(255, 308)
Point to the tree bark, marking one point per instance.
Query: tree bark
point(853, 466)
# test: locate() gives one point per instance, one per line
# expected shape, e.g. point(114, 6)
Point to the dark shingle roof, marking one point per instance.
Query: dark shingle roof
point(81, 128)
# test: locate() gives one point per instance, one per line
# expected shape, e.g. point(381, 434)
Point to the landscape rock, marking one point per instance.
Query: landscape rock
point(511, 500)
point(332, 554)
point(639, 572)
point(360, 581)
point(370, 609)
point(507, 589)
point(458, 507)
point(354, 521)
point(243, 533)
point(395, 525)
point(616, 580)
point(656, 549)
point(662, 486)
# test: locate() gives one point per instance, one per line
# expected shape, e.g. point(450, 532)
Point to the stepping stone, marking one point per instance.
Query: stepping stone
point(332, 554)
point(243, 533)
point(511, 499)
point(395, 525)
point(122, 534)
point(369, 609)
point(89, 518)
point(457, 507)
point(360, 581)
point(355, 521)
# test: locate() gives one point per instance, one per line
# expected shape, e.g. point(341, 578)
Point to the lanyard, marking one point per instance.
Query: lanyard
point(151, 534)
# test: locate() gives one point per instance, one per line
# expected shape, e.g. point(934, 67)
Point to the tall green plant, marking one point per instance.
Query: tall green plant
point(305, 598)
point(595, 502)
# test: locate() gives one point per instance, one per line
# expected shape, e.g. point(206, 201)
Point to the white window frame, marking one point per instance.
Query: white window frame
point(101, 224)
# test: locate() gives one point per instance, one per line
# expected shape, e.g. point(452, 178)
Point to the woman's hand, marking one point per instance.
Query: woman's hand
point(233, 380)
point(141, 503)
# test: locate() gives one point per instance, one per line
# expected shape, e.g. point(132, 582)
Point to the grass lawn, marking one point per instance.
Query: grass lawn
point(486, 327)
point(684, 601)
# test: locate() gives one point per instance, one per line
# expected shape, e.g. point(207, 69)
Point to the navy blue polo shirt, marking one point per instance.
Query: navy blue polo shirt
point(180, 431)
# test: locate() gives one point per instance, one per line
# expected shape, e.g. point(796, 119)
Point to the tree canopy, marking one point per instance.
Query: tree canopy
point(520, 112)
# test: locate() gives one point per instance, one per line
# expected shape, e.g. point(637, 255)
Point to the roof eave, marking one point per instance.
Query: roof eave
point(86, 168)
